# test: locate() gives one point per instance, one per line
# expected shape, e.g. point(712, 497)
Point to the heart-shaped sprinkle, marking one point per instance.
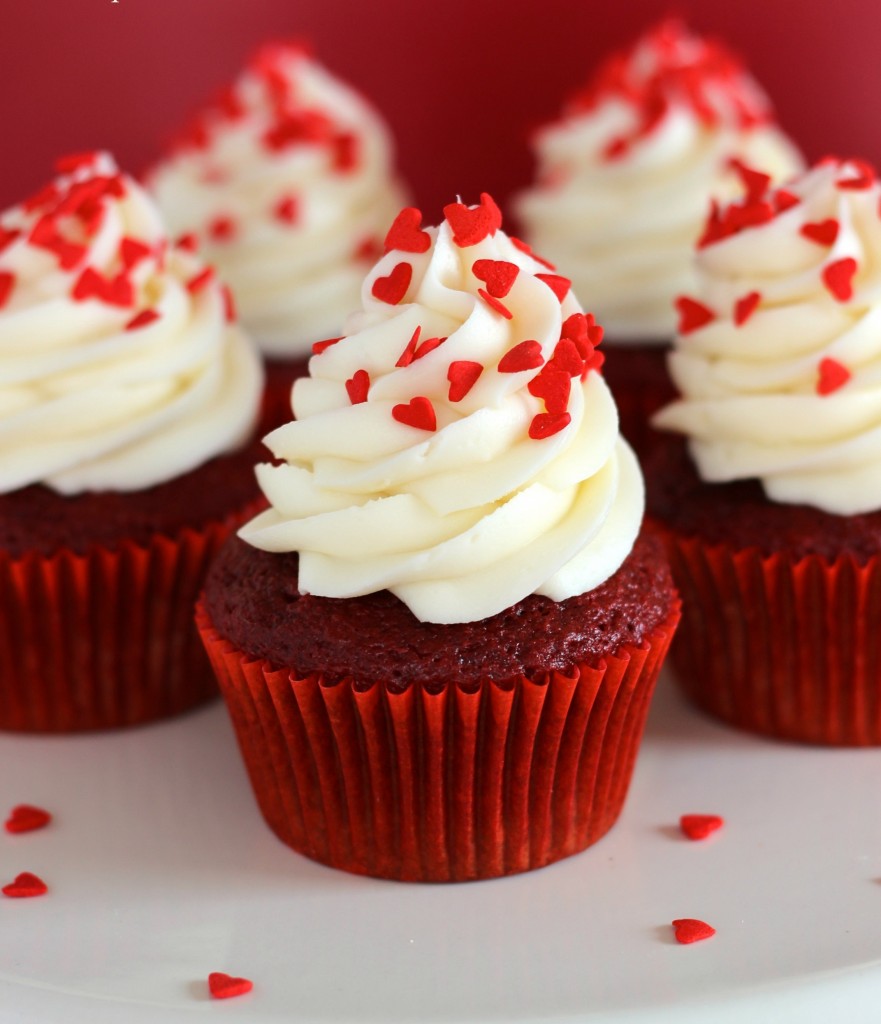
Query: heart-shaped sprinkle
point(146, 316)
point(74, 161)
point(46, 195)
point(406, 357)
point(26, 818)
point(553, 387)
point(406, 233)
point(832, 376)
point(525, 356)
point(322, 346)
point(699, 826)
point(784, 199)
point(462, 375)
point(198, 281)
point(745, 307)
point(393, 287)
point(689, 929)
point(823, 232)
point(222, 229)
point(524, 247)
point(429, 345)
point(229, 304)
point(225, 986)
point(7, 280)
point(755, 183)
point(114, 291)
point(692, 314)
point(471, 225)
point(7, 236)
point(616, 148)
point(566, 358)
point(863, 178)
point(545, 424)
point(498, 275)
point(45, 235)
point(287, 209)
point(357, 387)
point(558, 285)
point(345, 148)
point(188, 242)
point(418, 412)
point(368, 249)
point(495, 304)
point(25, 885)
point(749, 215)
point(838, 278)
point(131, 252)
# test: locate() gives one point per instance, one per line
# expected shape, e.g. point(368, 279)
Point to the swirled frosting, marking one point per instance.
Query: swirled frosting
point(288, 184)
point(120, 366)
point(778, 360)
point(458, 447)
point(626, 175)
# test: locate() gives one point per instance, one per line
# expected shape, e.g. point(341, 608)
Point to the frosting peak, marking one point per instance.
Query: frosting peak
point(459, 446)
point(626, 175)
point(779, 355)
point(287, 180)
point(120, 363)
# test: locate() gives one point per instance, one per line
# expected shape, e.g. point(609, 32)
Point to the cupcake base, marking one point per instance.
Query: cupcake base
point(452, 785)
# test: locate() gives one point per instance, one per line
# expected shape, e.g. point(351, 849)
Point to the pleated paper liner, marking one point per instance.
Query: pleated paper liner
point(450, 786)
point(106, 638)
point(790, 648)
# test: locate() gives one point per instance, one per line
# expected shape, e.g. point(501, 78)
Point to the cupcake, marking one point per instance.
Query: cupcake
point(772, 511)
point(287, 181)
point(128, 397)
point(439, 642)
point(625, 178)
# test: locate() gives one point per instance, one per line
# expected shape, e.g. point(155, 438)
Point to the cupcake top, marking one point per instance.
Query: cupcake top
point(287, 181)
point(120, 364)
point(778, 358)
point(459, 446)
point(626, 175)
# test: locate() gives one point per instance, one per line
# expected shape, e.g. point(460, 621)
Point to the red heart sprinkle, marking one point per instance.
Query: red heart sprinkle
point(229, 304)
point(406, 357)
point(749, 215)
point(393, 288)
point(225, 986)
point(864, 178)
point(699, 826)
point(222, 229)
point(745, 307)
point(27, 818)
point(567, 358)
point(692, 314)
point(545, 424)
point(25, 885)
point(146, 316)
point(429, 345)
point(405, 233)
point(524, 247)
point(755, 183)
point(462, 375)
point(131, 252)
point(187, 242)
point(616, 148)
point(345, 151)
point(418, 412)
point(495, 304)
point(525, 356)
point(115, 291)
point(7, 236)
point(498, 275)
point(689, 929)
point(838, 278)
point(42, 198)
point(783, 200)
point(471, 225)
point(322, 346)
point(7, 280)
point(357, 387)
point(74, 161)
point(287, 209)
point(823, 232)
point(558, 285)
point(369, 249)
point(832, 376)
point(553, 387)
point(198, 281)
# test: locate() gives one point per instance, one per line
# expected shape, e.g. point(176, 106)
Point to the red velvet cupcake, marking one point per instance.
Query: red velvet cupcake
point(773, 518)
point(625, 178)
point(287, 180)
point(129, 398)
point(440, 659)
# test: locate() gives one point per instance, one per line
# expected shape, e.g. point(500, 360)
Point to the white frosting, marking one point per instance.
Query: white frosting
point(624, 226)
point(791, 395)
point(84, 403)
point(295, 269)
point(463, 521)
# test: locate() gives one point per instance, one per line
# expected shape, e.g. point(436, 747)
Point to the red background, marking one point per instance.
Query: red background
point(460, 81)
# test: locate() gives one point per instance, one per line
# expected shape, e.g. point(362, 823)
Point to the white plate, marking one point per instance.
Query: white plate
point(161, 871)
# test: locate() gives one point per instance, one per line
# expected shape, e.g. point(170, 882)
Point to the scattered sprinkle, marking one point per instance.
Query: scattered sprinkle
point(322, 346)
point(495, 304)
point(229, 304)
point(393, 287)
point(525, 356)
point(188, 242)
point(863, 179)
point(287, 209)
point(25, 885)
point(406, 234)
point(146, 316)
point(471, 225)
point(8, 236)
point(553, 387)
point(406, 357)
point(26, 818)
point(545, 424)
point(823, 232)
point(74, 161)
point(357, 387)
point(838, 278)
point(200, 280)
point(114, 291)
point(558, 285)
point(224, 986)
point(131, 252)
point(692, 314)
point(832, 376)
point(745, 307)
point(689, 929)
point(345, 151)
point(462, 375)
point(418, 412)
point(222, 229)
point(498, 276)
point(699, 826)
point(7, 281)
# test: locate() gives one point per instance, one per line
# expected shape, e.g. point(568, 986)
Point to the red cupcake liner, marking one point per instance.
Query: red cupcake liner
point(640, 381)
point(447, 786)
point(106, 638)
point(785, 647)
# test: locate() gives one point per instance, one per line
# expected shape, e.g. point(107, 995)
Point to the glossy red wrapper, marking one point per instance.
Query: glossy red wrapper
point(451, 786)
point(785, 647)
point(106, 638)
